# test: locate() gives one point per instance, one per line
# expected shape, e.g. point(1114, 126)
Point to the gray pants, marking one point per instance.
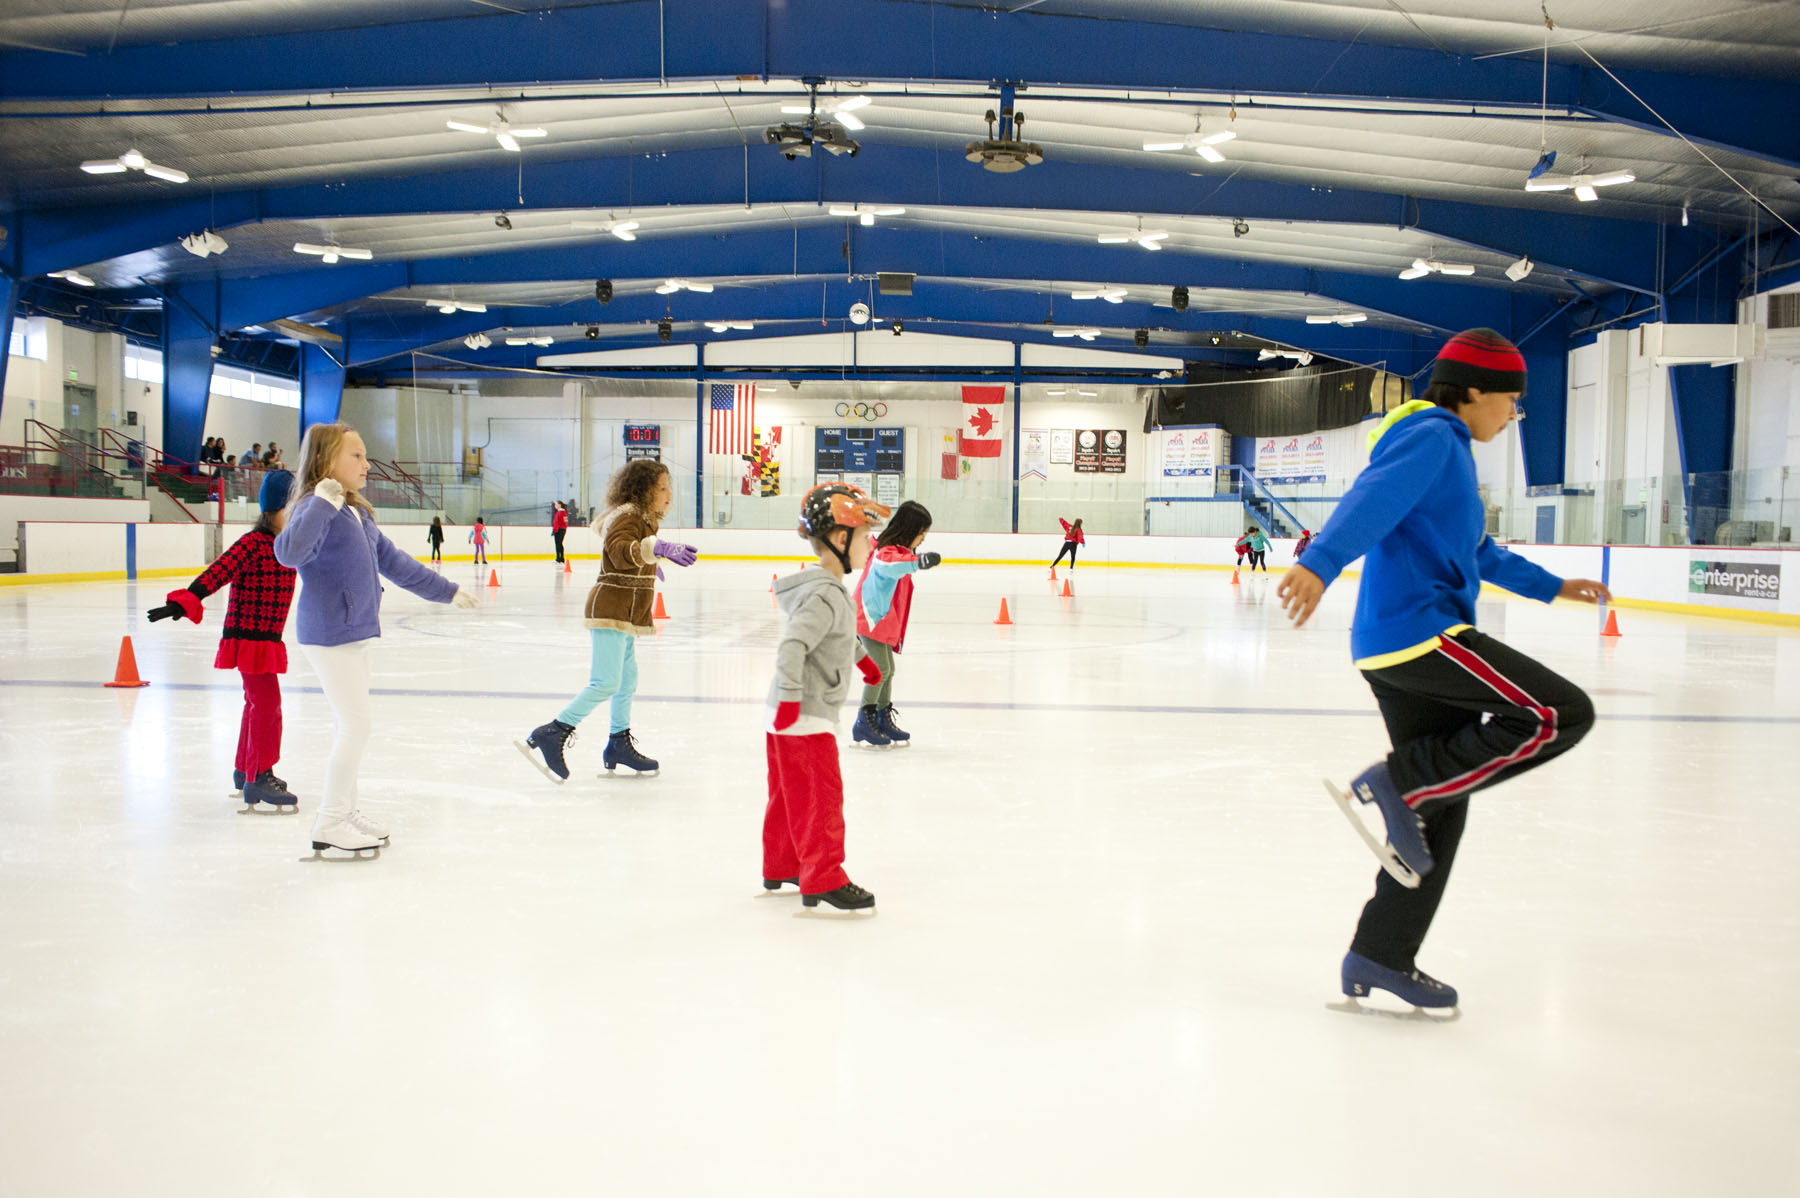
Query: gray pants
point(881, 694)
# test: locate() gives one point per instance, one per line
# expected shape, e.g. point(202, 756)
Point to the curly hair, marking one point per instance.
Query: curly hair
point(634, 483)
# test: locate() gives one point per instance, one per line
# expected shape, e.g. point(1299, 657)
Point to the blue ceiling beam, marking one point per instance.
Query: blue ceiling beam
point(1602, 250)
point(878, 40)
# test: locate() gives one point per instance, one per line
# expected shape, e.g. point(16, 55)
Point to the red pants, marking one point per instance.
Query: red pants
point(259, 734)
point(803, 830)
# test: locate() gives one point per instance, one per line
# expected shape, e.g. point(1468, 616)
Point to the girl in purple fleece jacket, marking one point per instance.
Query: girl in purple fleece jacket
point(332, 541)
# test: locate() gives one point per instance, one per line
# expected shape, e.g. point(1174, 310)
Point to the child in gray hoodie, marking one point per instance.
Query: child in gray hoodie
point(803, 829)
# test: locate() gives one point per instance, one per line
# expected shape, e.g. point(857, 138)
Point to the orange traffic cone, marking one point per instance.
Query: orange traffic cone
point(660, 612)
point(568, 565)
point(772, 578)
point(1052, 573)
point(1612, 624)
point(125, 674)
point(493, 578)
point(1004, 617)
point(1067, 592)
point(1234, 577)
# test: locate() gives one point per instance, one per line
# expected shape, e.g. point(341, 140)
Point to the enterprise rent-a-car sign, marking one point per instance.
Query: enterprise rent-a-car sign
point(1740, 580)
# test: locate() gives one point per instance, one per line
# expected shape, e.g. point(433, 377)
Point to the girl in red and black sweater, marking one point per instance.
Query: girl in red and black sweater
point(262, 589)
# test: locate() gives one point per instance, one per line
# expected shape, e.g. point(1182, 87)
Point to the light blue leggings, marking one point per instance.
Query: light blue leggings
point(612, 674)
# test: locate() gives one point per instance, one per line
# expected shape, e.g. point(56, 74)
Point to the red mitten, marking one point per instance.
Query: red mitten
point(190, 606)
point(870, 671)
point(785, 715)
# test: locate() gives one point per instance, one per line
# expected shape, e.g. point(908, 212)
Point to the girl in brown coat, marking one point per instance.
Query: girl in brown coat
point(617, 613)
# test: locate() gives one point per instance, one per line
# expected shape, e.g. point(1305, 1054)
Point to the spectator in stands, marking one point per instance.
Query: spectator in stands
point(272, 459)
point(252, 456)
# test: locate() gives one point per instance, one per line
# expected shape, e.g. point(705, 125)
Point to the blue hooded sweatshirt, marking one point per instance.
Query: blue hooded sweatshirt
point(1415, 517)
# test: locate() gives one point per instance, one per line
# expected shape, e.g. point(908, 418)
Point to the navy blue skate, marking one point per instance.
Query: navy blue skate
point(884, 720)
point(1405, 830)
point(622, 750)
point(550, 740)
point(867, 730)
point(237, 781)
point(1362, 977)
point(266, 788)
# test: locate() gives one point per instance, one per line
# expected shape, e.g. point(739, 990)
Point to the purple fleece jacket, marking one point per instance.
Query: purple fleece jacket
point(339, 555)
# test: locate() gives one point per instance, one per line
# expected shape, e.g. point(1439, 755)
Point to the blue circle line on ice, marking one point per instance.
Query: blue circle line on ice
point(937, 704)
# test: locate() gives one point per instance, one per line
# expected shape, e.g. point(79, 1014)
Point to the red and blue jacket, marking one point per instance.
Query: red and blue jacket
point(884, 595)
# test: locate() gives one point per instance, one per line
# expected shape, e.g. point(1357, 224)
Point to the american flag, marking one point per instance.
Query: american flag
point(733, 407)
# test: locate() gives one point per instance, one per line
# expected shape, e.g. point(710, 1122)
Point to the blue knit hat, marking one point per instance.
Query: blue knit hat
point(276, 484)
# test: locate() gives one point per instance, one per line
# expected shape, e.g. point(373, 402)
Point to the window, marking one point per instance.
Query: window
point(144, 365)
point(28, 339)
point(234, 382)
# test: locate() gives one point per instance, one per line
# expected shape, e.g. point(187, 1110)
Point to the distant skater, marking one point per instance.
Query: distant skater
point(1072, 540)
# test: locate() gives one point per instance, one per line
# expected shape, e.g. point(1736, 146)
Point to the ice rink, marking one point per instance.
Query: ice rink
point(1113, 897)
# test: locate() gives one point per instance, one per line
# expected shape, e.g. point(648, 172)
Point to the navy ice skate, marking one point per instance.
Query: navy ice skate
point(622, 750)
point(1361, 977)
point(884, 720)
point(237, 780)
point(867, 730)
point(267, 788)
point(550, 740)
point(1405, 830)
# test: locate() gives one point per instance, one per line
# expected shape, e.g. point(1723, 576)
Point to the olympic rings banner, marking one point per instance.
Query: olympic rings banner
point(862, 411)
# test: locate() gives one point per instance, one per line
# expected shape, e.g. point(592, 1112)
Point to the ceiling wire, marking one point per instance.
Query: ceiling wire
point(123, 9)
point(1754, 198)
point(1435, 44)
point(1625, 32)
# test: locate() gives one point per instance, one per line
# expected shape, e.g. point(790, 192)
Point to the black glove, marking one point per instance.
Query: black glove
point(165, 612)
point(928, 560)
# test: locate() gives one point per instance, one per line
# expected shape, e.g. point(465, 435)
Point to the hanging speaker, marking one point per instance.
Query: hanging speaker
point(894, 283)
point(603, 291)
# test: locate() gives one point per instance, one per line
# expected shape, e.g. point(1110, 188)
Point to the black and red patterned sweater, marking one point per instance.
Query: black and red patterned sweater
point(262, 590)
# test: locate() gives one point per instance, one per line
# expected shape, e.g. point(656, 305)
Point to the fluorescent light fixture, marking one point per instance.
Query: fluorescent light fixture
point(1417, 270)
point(1084, 334)
point(1085, 393)
point(866, 216)
point(507, 135)
point(1147, 240)
point(451, 306)
point(166, 173)
point(1425, 266)
point(1056, 391)
point(1586, 194)
point(1219, 138)
point(1612, 179)
point(839, 109)
point(72, 276)
point(1518, 270)
point(1112, 295)
point(1453, 268)
point(722, 326)
point(465, 127)
point(1582, 184)
point(625, 230)
point(1208, 153)
point(105, 166)
point(530, 340)
point(506, 141)
point(674, 285)
point(1300, 356)
point(1157, 147)
point(1339, 318)
point(134, 160)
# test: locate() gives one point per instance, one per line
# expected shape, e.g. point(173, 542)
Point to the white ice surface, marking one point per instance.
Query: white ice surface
point(1113, 897)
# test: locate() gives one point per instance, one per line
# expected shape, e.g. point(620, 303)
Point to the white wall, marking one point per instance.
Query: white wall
point(243, 423)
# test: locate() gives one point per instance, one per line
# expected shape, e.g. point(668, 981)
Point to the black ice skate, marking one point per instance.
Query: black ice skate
point(550, 740)
point(773, 886)
point(622, 750)
point(848, 901)
point(266, 792)
point(237, 782)
point(884, 720)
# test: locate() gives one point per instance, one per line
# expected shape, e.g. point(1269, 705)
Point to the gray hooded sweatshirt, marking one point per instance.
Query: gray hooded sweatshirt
point(816, 659)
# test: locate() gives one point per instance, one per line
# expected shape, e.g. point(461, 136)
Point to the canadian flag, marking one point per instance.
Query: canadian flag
point(983, 408)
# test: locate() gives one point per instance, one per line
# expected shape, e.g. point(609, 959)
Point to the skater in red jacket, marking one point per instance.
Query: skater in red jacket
point(1072, 538)
point(262, 590)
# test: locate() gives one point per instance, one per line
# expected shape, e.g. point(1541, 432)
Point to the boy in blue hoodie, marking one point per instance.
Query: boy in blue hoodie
point(1462, 709)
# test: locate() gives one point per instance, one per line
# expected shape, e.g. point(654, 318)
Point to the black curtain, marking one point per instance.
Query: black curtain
point(1266, 403)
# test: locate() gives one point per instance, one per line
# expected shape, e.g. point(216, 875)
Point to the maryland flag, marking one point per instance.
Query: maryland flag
point(762, 473)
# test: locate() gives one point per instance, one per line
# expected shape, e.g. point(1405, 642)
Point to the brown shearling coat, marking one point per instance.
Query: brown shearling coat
point(622, 598)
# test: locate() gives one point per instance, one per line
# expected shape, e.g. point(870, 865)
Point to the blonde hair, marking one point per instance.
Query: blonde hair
point(318, 451)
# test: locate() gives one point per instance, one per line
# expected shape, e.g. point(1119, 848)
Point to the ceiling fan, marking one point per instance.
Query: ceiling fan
point(131, 160)
point(449, 307)
point(865, 216)
point(331, 253)
point(1431, 266)
point(841, 109)
point(506, 134)
point(674, 285)
point(1583, 184)
point(1149, 240)
point(1201, 144)
point(624, 230)
point(1084, 334)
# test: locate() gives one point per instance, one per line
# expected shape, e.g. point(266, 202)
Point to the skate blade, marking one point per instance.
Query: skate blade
point(825, 911)
point(1397, 869)
point(269, 809)
point(1417, 1015)
point(625, 771)
point(319, 851)
point(537, 763)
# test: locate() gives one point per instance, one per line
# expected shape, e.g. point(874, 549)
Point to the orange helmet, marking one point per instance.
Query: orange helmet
point(830, 506)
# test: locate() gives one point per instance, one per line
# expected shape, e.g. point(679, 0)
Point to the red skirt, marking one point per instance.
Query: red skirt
point(252, 657)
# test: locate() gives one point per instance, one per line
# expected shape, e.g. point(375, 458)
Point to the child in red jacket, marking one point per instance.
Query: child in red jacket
point(883, 601)
point(262, 589)
point(1071, 538)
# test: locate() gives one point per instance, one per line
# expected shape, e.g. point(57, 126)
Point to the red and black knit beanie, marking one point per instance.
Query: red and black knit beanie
point(1482, 359)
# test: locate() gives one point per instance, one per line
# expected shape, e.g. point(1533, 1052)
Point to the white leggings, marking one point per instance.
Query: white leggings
point(343, 672)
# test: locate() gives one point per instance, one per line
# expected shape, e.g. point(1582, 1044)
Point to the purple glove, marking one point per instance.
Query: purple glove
point(659, 574)
point(676, 552)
